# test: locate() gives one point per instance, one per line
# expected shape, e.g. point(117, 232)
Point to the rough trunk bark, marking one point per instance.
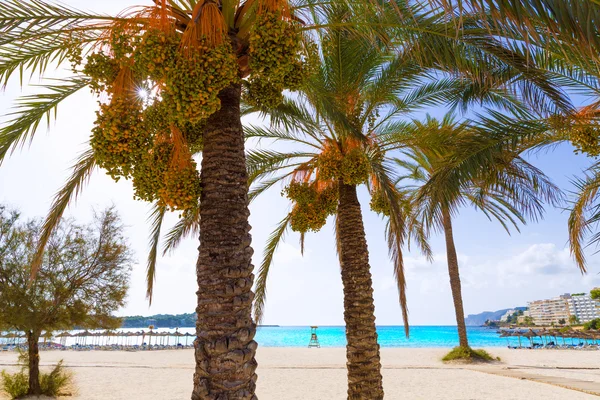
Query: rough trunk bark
point(34, 363)
point(362, 352)
point(224, 347)
point(454, 274)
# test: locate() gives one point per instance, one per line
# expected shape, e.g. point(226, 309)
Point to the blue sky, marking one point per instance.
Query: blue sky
point(498, 271)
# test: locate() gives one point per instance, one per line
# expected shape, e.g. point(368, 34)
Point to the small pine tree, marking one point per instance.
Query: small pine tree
point(83, 278)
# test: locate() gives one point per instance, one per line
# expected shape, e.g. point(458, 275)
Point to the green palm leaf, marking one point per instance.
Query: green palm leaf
point(260, 290)
point(82, 170)
point(31, 110)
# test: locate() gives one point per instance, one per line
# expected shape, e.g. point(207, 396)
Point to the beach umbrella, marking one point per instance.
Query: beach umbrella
point(529, 335)
point(543, 334)
point(505, 334)
point(187, 335)
point(517, 334)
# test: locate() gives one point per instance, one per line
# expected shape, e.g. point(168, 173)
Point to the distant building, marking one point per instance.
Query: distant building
point(584, 307)
point(508, 313)
point(551, 311)
point(521, 318)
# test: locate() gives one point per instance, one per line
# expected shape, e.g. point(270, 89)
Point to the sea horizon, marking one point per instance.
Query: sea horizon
point(420, 336)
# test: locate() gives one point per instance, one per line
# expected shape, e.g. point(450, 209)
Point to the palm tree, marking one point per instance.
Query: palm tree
point(568, 32)
point(337, 135)
point(188, 57)
point(509, 191)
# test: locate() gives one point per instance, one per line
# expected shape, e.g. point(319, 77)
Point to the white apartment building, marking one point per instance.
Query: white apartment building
point(584, 307)
point(507, 314)
point(551, 311)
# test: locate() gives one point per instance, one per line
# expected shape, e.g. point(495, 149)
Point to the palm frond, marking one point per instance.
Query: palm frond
point(260, 290)
point(82, 170)
point(579, 224)
point(262, 163)
point(188, 225)
point(156, 220)
point(32, 109)
point(396, 234)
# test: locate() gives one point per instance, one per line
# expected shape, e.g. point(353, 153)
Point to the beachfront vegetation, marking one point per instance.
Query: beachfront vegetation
point(55, 383)
point(467, 354)
point(160, 321)
point(593, 324)
point(510, 191)
point(595, 294)
point(83, 278)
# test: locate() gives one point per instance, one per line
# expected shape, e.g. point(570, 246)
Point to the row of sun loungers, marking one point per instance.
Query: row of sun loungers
point(551, 345)
point(108, 347)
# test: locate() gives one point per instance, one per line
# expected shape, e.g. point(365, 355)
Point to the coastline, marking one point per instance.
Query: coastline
point(320, 374)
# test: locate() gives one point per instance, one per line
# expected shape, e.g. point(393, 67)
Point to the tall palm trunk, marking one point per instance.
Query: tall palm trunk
point(224, 347)
point(34, 363)
point(454, 278)
point(362, 351)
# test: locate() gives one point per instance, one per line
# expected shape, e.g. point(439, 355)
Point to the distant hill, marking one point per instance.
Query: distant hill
point(160, 321)
point(479, 319)
point(164, 321)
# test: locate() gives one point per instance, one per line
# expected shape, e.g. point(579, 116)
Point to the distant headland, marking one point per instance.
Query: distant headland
point(164, 321)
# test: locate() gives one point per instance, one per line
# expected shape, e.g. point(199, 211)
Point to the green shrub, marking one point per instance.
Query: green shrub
point(56, 382)
point(593, 324)
point(15, 385)
point(469, 355)
point(53, 384)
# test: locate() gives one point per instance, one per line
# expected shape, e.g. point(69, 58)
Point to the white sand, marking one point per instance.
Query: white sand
point(319, 374)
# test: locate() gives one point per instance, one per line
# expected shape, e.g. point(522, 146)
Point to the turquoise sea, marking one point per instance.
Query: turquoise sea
point(299, 336)
point(389, 336)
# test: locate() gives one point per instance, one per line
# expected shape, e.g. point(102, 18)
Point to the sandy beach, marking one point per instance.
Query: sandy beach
point(317, 374)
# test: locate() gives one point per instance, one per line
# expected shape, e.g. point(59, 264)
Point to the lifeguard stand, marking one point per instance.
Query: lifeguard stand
point(314, 341)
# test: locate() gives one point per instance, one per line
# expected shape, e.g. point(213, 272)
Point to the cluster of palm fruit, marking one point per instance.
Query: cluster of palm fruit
point(352, 167)
point(379, 203)
point(152, 140)
point(181, 189)
point(102, 69)
point(194, 82)
point(119, 138)
point(586, 140)
point(148, 176)
point(155, 53)
point(312, 205)
point(277, 59)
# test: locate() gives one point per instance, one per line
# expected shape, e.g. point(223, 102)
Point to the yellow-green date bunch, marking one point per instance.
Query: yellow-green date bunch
point(276, 59)
point(312, 206)
point(585, 139)
point(329, 163)
point(181, 189)
point(192, 85)
point(176, 185)
point(379, 203)
point(155, 54)
point(355, 167)
point(122, 42)
point(119, 138)
point(192, 133)
point(352, 168)
point(102, 69)
point(263, 94)
point(148, 174)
